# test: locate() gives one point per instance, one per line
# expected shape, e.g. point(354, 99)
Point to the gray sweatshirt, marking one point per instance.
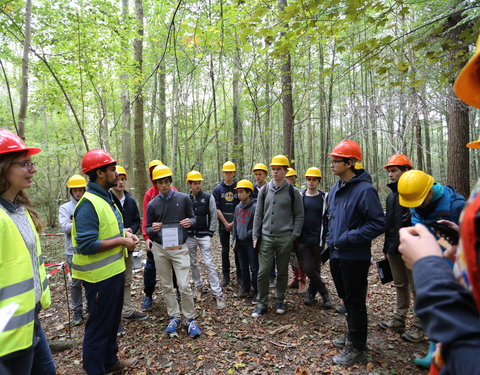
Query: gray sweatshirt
point(275, 216)
point(65, 214)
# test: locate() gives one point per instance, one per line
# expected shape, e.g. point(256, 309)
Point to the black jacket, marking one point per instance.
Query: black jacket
point(396, 217)
point(131, 216)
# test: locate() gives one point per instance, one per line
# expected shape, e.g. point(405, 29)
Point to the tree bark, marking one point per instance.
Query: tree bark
point(26, 48)
point(237, 155)
point(126, 110)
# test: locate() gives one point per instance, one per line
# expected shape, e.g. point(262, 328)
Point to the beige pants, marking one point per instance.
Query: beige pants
point(128, 308)
point(180, 260)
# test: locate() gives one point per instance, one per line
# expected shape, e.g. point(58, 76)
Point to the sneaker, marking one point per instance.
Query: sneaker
point(121, 364)
point(280, 308)
point(220, 302)
point(77, 319)
point(259, 311)
point(255, 300)
point(147, 304)
point(394, 324)
point(136, 315)
point(349, 355)
point(242, 293)
point(121, 331)
point(302, 288)
point(327, 302)
point(414, 335)
point(273, 282)
point(339, 342)
point(293, 284)
point(172, 326)
point(341, 309)
point(193, 329)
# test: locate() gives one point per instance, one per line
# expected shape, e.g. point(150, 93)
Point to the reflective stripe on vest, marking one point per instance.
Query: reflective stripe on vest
point(102, 265)
point(17, 285)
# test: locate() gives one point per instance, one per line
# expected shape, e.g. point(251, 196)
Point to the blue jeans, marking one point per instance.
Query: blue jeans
point(42, 357)
point(248, 258)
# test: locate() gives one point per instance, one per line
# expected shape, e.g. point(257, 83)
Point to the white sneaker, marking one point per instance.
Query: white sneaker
point(220, 302)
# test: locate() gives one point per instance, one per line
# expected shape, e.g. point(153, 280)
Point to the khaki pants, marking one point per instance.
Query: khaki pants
point(128, 308)
point(403, 281)
point(180, 261)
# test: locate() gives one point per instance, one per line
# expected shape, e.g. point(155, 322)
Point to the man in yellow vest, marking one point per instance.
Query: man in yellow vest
point(100, 244)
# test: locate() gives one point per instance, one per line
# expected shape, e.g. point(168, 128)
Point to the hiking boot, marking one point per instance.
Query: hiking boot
point(293, 284)
point(225, 281)
point(136, 315)
point(120, 365)
point(259, 311)
point(349, 355)
point(147, 303)
point(339, 342)
point(310, 299)
point(414, 335)
point(327, 302)
point(171, 329)
point(242, 293)
point(393, 324)
point(121, 331)
point(77, 318)
point(302, 288)
point(341, 309)
point(272, 282)
point(192, 328)
point(220, 302)
point(280, 308)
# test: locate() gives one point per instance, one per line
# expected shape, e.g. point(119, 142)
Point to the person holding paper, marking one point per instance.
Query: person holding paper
point(169, 215)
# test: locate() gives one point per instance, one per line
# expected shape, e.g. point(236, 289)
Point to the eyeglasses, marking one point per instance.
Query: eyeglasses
point(333, 162)
point(27, 164)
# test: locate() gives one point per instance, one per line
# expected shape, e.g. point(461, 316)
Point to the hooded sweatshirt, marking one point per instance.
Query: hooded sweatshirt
point(243, 221)
point(355, 217)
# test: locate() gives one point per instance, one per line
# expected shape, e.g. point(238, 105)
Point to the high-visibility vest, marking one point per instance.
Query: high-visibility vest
point(102, 265)
point(17, 285)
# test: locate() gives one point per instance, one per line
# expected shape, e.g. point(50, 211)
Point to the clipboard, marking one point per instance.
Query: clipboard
point(172, 236)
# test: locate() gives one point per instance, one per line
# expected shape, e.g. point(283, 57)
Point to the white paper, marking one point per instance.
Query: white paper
point(170, 236)
point(6, 314)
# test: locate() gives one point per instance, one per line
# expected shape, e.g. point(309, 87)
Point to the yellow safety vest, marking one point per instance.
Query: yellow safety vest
point(16, 285)
point(100, 266)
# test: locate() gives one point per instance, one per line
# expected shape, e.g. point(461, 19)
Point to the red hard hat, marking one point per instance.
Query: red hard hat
point(398, 160)
point(347, 149)
point(10, 142)
point(96, 158)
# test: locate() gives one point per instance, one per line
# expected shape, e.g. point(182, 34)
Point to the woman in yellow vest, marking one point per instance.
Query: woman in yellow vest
point(23, 282)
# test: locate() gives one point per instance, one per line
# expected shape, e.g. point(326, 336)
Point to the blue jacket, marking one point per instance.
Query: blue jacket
point(226, 199)
point(355, 217)
point(447, 204)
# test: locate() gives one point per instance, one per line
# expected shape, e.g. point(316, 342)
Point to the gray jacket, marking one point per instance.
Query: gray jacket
point(277, 216)
point(65, 215)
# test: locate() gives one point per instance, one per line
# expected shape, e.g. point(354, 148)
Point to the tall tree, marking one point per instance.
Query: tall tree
point(125, 96)
point(26, 49)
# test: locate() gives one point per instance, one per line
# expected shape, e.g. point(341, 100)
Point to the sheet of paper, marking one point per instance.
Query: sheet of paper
point(170, 236)
point(6, 314)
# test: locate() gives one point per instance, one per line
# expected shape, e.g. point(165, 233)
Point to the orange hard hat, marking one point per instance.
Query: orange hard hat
point(467, 84)
point(347, 149)
point(398, 160)
point(96, 158)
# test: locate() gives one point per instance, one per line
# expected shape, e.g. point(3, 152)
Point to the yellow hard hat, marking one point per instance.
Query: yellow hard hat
point(291, 173)
point(194, 176)
point(154, 163)
point(358, 165)
point(76, 181)
point(244, 184)
point(280, 161)
point(161, 171)
point(467, 84)
point(229, 166)
point(413, 187)
point(313, 172)
point(260, 167)
point(121, 170)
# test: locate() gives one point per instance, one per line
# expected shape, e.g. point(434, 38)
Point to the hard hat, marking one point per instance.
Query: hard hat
point(413, 187)
point(398, 160)
point(194, 176)
point(154, 163)
point(467, 84)
point(358, 165)
point(260, 167)
point(121, 170)
point(244, 184)
point(229, 166)
point(347, 149)
point(280, 161)
point(10, 142)
point(474, 144)
point(313, 172)
point(291, 173)
point(76, 181)
point(96, 158)
point(161, 171)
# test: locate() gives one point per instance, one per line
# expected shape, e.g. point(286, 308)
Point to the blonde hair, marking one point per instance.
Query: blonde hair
point(22, 198)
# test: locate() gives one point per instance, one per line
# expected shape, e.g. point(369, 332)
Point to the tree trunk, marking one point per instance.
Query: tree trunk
point(162, 108)
point(237, 155)
point(26, 48)
point(126, 110)
point(140, 174)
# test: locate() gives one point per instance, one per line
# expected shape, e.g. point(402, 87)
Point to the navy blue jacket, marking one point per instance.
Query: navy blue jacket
point(226, 199)
point(449, 315)
point(355, 217)
point(129, 210)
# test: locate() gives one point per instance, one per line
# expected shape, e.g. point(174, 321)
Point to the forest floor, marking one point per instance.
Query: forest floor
point(299, 342)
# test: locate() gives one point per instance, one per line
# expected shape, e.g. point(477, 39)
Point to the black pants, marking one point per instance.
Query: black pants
point(225, 243)
point(350, 278)
point(308, 255)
